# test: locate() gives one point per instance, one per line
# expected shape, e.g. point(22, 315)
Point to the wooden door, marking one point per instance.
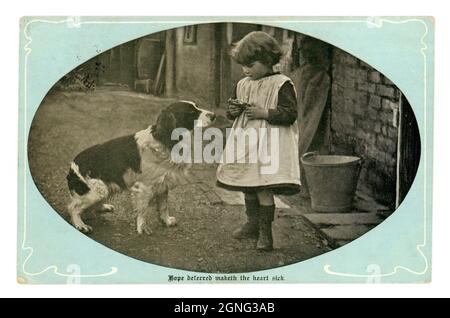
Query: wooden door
point(150, 60)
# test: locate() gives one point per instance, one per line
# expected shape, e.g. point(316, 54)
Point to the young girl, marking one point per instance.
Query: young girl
point(271, 104)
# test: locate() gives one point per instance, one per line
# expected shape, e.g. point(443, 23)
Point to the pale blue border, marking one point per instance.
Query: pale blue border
point(399, 250)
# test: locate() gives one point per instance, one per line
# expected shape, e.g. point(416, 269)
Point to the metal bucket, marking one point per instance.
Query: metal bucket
point(331, 180)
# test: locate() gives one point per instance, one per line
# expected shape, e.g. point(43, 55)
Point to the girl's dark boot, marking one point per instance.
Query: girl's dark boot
point(265, 218)
point(250, 228)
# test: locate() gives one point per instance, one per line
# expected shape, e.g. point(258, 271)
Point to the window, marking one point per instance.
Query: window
point(190, 34)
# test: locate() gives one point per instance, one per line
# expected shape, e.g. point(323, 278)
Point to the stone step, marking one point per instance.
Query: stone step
point(213, 198)
point(363, 202)
point(343, 218)
point(346, 232)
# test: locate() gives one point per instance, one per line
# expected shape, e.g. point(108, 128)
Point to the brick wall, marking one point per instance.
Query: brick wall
point(364, 108)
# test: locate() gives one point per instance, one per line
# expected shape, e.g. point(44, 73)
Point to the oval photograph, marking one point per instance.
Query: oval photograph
point(224, 148)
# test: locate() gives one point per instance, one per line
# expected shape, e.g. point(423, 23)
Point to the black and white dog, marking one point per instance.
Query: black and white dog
point(140, 163)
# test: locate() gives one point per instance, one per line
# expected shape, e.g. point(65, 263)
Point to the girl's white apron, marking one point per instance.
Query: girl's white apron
point(283, 166)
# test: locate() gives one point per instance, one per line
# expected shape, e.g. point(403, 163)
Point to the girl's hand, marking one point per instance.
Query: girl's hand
point(234, 110)
point(256, 113)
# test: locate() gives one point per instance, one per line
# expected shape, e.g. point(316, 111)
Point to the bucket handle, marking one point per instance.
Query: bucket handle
point(308, 154)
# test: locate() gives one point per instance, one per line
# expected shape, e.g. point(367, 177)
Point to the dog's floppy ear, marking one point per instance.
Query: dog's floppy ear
point(162, 131)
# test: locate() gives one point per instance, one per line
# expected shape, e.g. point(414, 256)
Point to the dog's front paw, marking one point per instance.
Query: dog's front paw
point(83, 227)
point(170, 221)
point(142, 227)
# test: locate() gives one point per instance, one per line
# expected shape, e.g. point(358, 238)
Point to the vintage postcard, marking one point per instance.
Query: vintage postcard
point(225, 150)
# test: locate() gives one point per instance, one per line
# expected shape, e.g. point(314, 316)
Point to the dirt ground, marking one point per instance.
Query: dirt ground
point(66, 123)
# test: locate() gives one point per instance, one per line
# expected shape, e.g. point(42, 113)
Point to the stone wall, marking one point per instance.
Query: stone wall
point(364, 122)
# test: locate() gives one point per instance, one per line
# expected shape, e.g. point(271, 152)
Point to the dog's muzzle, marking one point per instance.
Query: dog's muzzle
point(206, 118)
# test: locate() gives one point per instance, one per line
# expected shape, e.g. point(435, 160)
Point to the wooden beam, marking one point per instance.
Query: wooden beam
point(170, 51)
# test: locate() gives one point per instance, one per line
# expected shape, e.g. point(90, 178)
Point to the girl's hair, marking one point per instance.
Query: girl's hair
point(257, 46)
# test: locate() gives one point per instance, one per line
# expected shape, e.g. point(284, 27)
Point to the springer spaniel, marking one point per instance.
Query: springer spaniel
point(140, 163)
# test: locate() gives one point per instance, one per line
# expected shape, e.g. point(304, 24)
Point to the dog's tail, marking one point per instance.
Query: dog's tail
point(76, 182)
